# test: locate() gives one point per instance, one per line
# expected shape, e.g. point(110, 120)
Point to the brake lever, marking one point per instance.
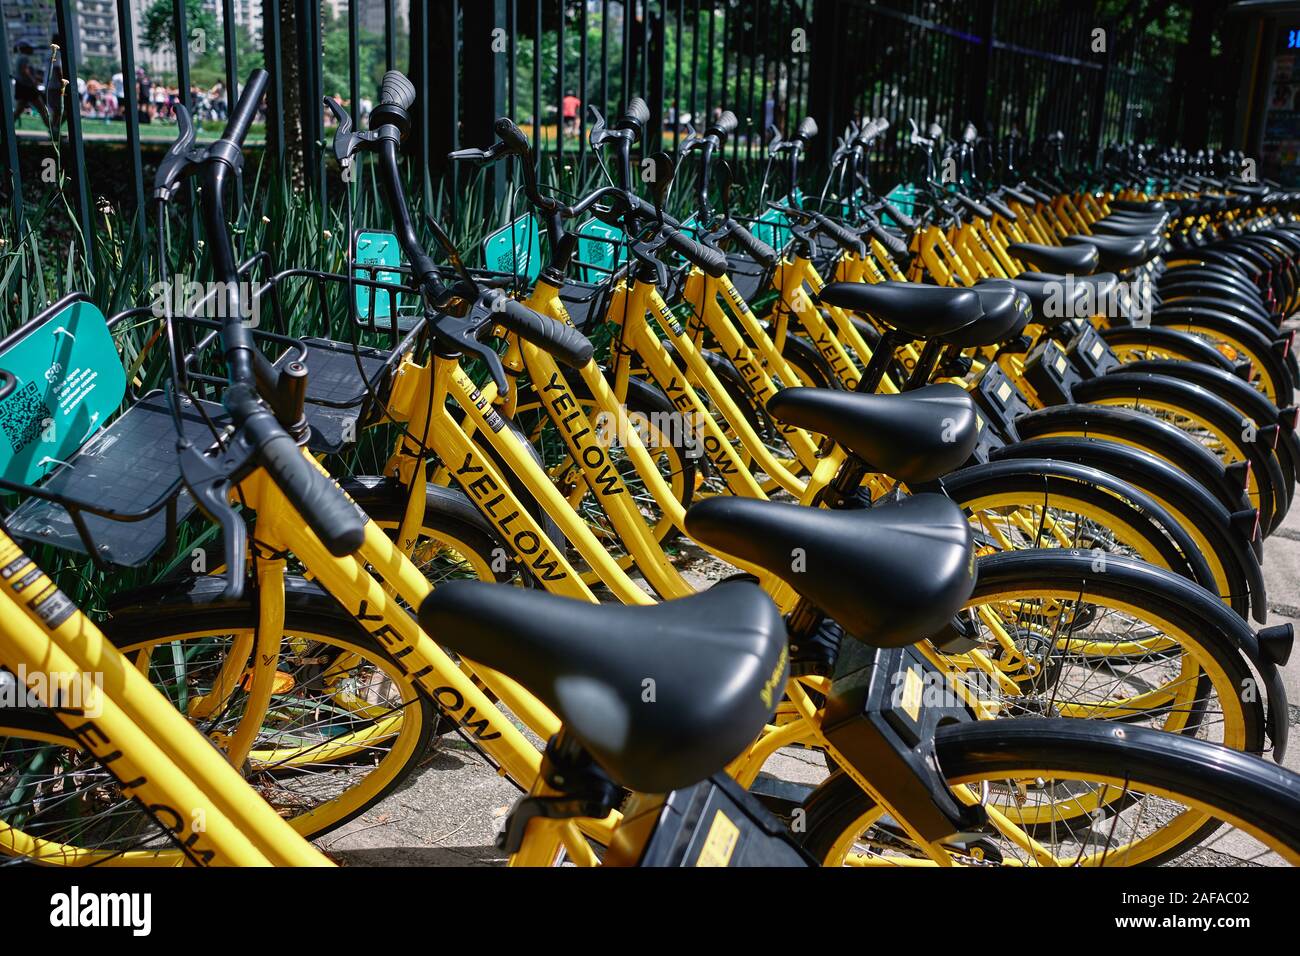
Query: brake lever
point(346, 140)
point(178, 160)
point(599, 132)
point(480, 157)
point(646, 252)
point(463, 331)
point(209, 483)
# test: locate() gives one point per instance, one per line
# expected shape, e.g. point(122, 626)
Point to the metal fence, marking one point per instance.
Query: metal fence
point(1031, 65)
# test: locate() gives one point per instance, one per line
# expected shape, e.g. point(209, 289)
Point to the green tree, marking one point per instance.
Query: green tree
point(199, 20)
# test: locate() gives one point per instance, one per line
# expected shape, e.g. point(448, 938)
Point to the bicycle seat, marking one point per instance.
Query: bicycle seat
point(914, 437)
point(1075, 258)
point(1007, 311)
point(1117, 253)
point(922, 311)
point(717, 660)
point(1123, 229)
point(889, 575)
point(1131, 205)
point(1047, 295)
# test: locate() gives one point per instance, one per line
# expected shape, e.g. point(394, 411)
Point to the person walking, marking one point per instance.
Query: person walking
point(569, 107)
point(144, 95)
point(27, 85)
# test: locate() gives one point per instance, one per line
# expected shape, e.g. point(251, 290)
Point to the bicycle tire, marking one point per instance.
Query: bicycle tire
point(1247, 792)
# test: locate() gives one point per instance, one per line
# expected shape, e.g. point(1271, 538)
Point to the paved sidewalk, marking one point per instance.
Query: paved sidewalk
point(448, 812)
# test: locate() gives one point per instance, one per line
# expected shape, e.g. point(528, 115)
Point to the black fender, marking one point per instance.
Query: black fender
point(1188, 347)
point(1199, 304)
point(1199, 401)
point(1166, 592)
point(1252, 403)
point(1259, 317)
point(1248, 263)
point(1213, 274)
point(1186, 283)
point(1141, 431)
point(1231, 545)
point(198, 592)
point(1262, 349)
point(1037, 476)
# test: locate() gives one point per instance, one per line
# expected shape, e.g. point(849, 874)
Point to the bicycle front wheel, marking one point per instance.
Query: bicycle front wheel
point(1079, 793)
point(344, 727)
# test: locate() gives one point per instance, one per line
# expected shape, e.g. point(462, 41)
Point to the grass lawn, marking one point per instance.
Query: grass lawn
point(31, 126)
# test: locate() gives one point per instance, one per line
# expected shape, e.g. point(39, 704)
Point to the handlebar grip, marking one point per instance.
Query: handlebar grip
point(979, 209)
point(843, 238)
point(564, 342)
point(712, 261)
point(512, 135)
point(246, 107)
point(761, 252)
point(396, 90)
point(635, 116)
point(724, 125)
point(1020, 196)
point(807, 129)
point(898, 215)
point(327, 510)
point(893, 245)
point(1001, 208)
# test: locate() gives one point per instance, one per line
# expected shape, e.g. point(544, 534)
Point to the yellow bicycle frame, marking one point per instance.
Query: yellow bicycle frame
point(158, 758)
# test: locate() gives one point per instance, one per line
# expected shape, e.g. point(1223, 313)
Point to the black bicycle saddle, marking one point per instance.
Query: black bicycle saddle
point(661, 696)
point(889, 575)
point(1073, 258)
point(922, 311)
point(914, 437)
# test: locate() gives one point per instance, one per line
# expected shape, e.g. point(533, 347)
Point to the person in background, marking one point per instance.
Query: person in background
point(569, 108)
point(27, 84)
point(144, 95)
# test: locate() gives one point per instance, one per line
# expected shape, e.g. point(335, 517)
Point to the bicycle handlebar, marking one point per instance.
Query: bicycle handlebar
point(335, 519)
point(635, 116)
point(761, 252)
point(712, 261)
point(893, 245)
point(246, 108)
point(564, 342)
point(396, 90)
point(724, 126)
point(896, 214)
point(845, 239)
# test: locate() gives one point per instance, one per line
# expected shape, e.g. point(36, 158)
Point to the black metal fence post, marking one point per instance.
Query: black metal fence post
point(997, 65)
point(131, 99)
point(68, 30)
point(9, 129)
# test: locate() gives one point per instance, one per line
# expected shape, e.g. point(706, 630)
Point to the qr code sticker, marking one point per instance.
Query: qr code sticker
point(23, 415)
